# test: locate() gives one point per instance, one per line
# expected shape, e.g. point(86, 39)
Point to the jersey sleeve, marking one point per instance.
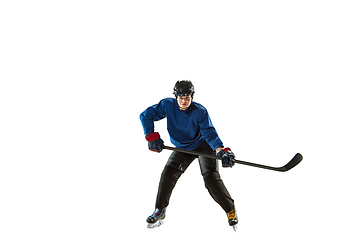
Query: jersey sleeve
point(151, 114)
point(208, 131)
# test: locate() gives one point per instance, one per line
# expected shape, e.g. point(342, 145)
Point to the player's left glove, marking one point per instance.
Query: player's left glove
point(227, 157)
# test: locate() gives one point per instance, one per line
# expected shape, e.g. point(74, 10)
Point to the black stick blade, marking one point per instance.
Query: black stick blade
point(293, 162)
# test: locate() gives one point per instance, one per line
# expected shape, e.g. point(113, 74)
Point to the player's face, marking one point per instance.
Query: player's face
point(184, 102)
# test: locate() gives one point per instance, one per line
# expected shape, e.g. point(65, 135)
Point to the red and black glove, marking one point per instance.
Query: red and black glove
point(227, 157)
point(155, 142)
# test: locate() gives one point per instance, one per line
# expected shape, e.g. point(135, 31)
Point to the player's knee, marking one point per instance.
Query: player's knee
point(171, 173)
point(210, 178)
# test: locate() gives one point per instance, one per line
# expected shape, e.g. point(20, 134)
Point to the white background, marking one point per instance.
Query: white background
point(278, 77)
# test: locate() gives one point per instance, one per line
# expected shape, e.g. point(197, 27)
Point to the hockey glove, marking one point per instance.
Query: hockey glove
point(227, 157)
point(155, 142)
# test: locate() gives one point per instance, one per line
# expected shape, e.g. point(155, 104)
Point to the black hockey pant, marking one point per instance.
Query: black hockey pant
point(176, 166)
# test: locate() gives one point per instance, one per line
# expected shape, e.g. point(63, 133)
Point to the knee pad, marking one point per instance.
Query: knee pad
point(171, 173)
point(211, 178)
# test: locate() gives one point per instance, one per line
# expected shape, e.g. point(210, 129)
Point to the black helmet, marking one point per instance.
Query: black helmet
point(184, 88)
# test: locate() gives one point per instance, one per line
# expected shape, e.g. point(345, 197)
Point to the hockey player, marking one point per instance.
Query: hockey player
point(190, 128)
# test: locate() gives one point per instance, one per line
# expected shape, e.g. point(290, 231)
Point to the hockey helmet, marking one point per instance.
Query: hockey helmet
point(184, 88)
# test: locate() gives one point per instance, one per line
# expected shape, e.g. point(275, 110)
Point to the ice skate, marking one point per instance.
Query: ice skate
point(156, 219)
point(232, 218)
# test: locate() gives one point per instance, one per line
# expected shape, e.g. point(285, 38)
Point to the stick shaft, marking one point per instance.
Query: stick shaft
point(293, 162)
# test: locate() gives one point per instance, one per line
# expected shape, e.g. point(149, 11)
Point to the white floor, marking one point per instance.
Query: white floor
point(277, 78)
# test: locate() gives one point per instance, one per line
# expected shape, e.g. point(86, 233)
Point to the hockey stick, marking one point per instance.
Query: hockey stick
point(293, 162)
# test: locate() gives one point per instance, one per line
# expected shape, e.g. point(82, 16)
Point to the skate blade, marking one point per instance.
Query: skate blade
point(235, 227)
point(157, 224)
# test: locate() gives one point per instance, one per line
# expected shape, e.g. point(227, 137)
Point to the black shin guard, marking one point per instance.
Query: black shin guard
point(218, 191)
point(167, 183)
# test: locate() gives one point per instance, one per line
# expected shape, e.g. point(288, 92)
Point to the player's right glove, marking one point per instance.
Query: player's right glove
point(155, 143)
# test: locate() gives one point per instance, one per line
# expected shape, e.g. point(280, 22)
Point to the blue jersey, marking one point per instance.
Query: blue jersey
point(187, 129)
